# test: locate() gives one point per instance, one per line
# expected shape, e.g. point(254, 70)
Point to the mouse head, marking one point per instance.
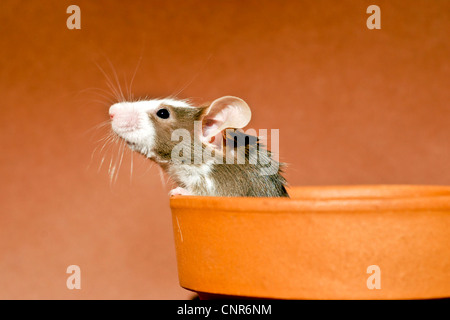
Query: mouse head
point(147, 126)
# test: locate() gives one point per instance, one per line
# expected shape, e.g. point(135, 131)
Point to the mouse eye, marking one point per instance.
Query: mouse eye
point(163, 113)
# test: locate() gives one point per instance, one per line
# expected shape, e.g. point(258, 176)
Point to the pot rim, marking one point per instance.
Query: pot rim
point(360, 198)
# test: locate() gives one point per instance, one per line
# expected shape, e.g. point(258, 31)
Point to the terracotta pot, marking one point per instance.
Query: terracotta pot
point(318, 244)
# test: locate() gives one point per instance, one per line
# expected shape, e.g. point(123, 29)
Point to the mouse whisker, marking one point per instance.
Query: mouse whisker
point(106, 100)
point(131, 164)
point(117, 80)
point(104, 140)
point(109, 83)
point(184, 87)
point(101, 164)
point(103, 103)
point(148, 168)
point(134, 75)
point(113, 89)
point(108, 142)
point(101, 92)
point(99, 126)
point(161, 176)
point(121, 151)
point(127, 89)
point(110, 166)
point(115, 169)
point(98, 98)
point(111, 175)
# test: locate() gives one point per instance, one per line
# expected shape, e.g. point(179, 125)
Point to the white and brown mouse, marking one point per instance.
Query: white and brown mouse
point(155, 129)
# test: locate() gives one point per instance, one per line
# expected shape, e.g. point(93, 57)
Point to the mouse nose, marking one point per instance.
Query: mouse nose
point(112, 111)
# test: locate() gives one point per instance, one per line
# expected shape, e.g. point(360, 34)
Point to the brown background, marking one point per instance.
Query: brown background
point(354, 106)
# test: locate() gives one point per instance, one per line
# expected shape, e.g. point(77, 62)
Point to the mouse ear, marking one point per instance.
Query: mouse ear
point(223, 113)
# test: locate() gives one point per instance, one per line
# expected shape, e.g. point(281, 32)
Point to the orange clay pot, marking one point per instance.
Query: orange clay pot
point(318, 244)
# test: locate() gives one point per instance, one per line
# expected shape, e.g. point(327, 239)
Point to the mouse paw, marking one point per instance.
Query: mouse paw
point(179, 192)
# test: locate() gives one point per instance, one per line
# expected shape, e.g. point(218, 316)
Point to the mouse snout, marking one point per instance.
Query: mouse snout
point(123, 116)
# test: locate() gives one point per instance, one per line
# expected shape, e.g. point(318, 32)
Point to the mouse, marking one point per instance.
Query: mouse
point(203, 149)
